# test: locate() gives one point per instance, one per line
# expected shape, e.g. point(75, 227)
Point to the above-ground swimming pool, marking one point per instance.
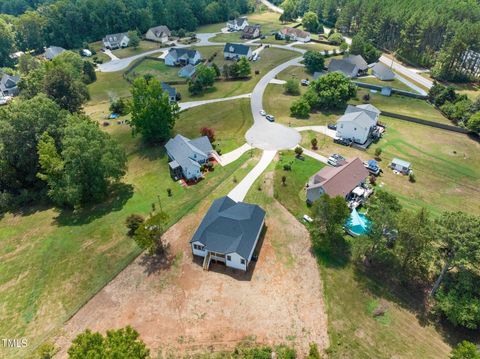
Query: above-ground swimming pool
point(358, 224)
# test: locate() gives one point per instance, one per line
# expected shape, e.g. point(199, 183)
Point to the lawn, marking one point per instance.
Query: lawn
point(230, 120)
point(314, 46)
point(130, 51)
point(53, 261)
point(156, 68)
point(229, 37)
point(109, 85)
point(395, 83)
point(351, 297)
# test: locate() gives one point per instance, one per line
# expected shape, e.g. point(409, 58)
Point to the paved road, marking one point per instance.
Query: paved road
point(187, 105)
point(241, 189)
point(264, 134)
point(405, 71)
point(272, 7)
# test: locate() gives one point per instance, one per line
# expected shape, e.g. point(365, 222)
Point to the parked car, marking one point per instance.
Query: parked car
point(372, 167)
point(307, 218)
point(343, 141)
point(336, 160)
point(270, 118)
point(263, 113)
point(263, 37)
point(305, 82)
point(332, 126)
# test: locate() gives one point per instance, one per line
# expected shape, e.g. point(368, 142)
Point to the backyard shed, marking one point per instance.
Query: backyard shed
point(401, 166)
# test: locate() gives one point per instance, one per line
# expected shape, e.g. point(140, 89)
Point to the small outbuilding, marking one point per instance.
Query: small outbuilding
point(401, 166)
point(383, 72)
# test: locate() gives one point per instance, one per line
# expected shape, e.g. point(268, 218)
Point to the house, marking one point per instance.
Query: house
point(8, 85)
point(182, 57)
point(172, 92)
point(116, 41)
point(401, 166)
point(159, 34)
point(229, 233)
point(52, 52)
point(236, 51)
point(383, 72)
point(343, 66)
point(337, 181)
point(187, 71)
point(251, 32)
point(358, 61)
point(187, 156)
point(358, 123)
point(237, 24)
point(294, 34)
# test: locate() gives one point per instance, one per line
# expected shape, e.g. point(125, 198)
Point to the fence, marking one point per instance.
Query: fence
point(427, 123)
point(394, 90)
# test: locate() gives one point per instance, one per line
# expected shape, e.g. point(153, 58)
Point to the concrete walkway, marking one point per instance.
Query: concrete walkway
point(241, 189)
point(234, 155)
point(110, 54)
point(324, 130)
point(278, 82)
point(187, 105)
point(315, 155)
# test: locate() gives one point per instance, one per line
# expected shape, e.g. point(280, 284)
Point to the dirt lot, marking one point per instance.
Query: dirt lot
point(182, 309)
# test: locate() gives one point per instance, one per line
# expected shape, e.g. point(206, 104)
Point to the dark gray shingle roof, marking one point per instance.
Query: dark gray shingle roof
point(172, 92)
point(383, 72)
point(230, 227)
point(237, 49)
point(359, 61)
point(8, 82)
point(177, 53)
point(343, 66)
point(182, 150)
point(52, 52)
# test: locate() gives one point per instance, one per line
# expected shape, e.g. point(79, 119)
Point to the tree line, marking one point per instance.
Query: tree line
point(439, 34)
point(70, 24)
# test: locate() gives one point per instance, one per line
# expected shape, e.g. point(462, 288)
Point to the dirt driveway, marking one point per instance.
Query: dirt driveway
point(183, 309)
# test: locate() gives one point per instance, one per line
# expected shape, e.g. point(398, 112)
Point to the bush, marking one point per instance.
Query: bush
point(366, 97)
point(300, 108)
point(209, 132)
point(292, 88)
point(287, 167)
point(335, 38)
point(411, 177)
point(132, 222)
point(298, 151)
point(465, 350)
point(119, 107)
point(314, 143)
point(378, 152)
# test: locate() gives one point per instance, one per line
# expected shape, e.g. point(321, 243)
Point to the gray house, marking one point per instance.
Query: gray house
point(237, 24)
point(52, 52)
point(172, 92)
point(8, 85)
point(187, 156)
point(182, 57)
point(343, 66)
point(159, 34)
point(236, 51)
point(229, 233)
point(116, 41)
point(383, 72)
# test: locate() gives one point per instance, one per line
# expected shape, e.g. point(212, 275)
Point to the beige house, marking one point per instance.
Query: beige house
point(158, 34)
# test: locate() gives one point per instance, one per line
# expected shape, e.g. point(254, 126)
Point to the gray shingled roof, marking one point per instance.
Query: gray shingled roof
point(8, 82)
point(237, 49)
point(343, 66)
point(172, 92)
point(53, 51)
point(383, 72)
point(113, 38)
point(187, 71)
point(239, 21)
point(182, 150)
point(370, 110)
point(359, 61)
point(230, 227)
point(161, 30)
point(178, 53)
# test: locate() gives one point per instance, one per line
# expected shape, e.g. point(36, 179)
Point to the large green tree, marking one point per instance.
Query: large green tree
point(153, 116)
point(310, 21)
point(7, 43)
point(30, 28)
point(465, 350)
point(122, 343)
point(330, 91)
point(81, 168)
point(314, 61)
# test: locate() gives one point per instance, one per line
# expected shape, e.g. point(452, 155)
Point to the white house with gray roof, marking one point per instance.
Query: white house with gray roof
point(236, 51)
point(159, 34)
point(8, 85)
point(237, 24)
point(229, 233)
point(358, 123)
point(182, 57)
point(116, 41)
point(187, 156)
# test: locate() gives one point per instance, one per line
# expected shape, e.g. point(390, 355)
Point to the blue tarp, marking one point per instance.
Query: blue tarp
point(114, 116)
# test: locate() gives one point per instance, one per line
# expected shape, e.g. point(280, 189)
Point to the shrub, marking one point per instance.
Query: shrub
point(132, 222)
point(366, 97)
point(465, 350)
point(287, 167)
point(292, 88)
point(298, 151)
point(411, 177)
point(169, 192)
point(314, 143)
point(378, 152)
point(335, 38)
point(300, 108)
point(373, 180)
point(209, 132)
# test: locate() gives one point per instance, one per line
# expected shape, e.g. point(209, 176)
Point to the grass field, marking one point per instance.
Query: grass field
point(395, 83)
point(158, 69)
point(314, 46)
point(229, 37)
point(108, 85)
point(53, 261)
point(130, 51)
point(230, 120)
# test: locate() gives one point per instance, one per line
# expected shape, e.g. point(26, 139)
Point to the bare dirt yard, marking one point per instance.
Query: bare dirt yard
point(178, 308)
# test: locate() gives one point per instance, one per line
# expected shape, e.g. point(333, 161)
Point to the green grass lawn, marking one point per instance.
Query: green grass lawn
point(158, 69)
point(230, 37)
point(108, 85)
point(351, 297)
point(314, 46)
point(53, 261)
point(130, 51)
point(395, 83)
point(229, 119)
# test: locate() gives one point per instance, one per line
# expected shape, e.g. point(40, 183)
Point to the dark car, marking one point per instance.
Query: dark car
point(332, 126)
point(343, 141)
point(270, 118)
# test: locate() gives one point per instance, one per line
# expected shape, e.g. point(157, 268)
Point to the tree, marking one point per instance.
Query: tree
point(457, 234)
point(244, 68)
point(314, 61)
point(119, 106)
point(300, 108)
point(314, 143)
point(292, 88)
point(61, 86)
point(122, 343)
point(218, 73)
point(361, 46)
point(465, 350)
point(82, 167)
point(330, 91)
point(22, 123)
point(335, 38)
point(132, 222)
point(378, 152)
point(30, 28)
point(89, 74)
point(284, 180)
point(134, 39)
point(473, 123)
point(153, 116)
point(310, 21)
point(205, 78)
point(7, 43)
point(439, 94)
point(330, 215)
point(27, 63)
point(209, 132)
point(298, 151)
point(149, 235)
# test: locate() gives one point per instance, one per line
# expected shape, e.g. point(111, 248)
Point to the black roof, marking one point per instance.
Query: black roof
point(230, 227)
point(239, 49)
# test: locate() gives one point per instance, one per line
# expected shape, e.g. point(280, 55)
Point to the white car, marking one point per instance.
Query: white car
point(307, 218)
point(263, 113)
point(270, 118)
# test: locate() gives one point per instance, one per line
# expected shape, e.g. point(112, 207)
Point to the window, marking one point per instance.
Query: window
point(198, 247)
point(229, 258)
point(242, 261)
